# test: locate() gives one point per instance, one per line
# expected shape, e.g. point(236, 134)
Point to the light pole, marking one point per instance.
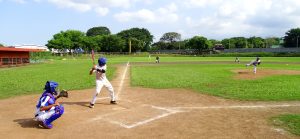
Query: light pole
point(297, 42)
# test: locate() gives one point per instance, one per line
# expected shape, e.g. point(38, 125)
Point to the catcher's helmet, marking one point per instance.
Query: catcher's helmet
point(51, 86)
point(102, 61)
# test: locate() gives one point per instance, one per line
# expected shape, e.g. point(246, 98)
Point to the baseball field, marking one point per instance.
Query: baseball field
point(181, 97)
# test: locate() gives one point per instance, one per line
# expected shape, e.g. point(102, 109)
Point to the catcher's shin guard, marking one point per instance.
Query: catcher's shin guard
point(59, 110)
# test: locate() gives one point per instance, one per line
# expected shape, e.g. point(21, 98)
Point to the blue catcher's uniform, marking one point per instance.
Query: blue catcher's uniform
point(46, 117)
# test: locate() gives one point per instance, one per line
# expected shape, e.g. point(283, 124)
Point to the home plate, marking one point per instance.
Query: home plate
point(118, 108)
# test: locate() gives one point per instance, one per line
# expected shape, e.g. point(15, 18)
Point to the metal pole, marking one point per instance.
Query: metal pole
point(297, 42)
point(129, 46)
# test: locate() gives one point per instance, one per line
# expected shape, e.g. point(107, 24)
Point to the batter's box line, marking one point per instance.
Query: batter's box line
point(143, 122)
point(236, 107)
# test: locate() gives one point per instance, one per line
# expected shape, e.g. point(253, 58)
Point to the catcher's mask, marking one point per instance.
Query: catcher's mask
point(102, 61)
point(51, 87)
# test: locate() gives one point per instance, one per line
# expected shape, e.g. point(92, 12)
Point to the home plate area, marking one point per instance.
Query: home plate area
point(137, 116)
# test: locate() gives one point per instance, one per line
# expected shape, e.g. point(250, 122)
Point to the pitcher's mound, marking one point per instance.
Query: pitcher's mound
point(248, 73)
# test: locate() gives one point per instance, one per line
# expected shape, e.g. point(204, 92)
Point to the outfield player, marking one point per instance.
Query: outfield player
point(157, 59)
point(101, 81)
point(48, 109)
point(254, 63)
point(237, 59)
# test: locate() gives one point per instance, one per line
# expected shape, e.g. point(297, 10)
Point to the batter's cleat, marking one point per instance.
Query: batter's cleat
point(113, 102)
point(91, 105)
point(45, 125)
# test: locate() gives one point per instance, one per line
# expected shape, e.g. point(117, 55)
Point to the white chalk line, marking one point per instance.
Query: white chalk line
point(142, 122)
point(122, 81)
point(238, 106)
point(146, 121)
point(173, 110)
point(120, 86)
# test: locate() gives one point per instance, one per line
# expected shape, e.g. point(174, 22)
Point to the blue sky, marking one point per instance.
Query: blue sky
point(36, 21)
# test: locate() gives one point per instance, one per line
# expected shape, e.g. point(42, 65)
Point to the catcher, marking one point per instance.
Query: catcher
point(47, 108)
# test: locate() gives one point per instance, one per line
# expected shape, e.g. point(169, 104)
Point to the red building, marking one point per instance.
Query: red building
point(14, 56)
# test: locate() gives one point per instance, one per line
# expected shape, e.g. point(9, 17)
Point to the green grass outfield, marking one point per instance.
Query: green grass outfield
point(290, 122)
point(70, 74)
point(195, 59)
point(215, 79)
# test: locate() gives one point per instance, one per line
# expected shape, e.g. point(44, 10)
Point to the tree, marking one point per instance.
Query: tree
point(1, 45)
point(70, 39)
point(140, 39)
point(198, 42)
point(291, 38)
point(112, 43)
point(159, 46)
point(270, 41)
point(94, 31)
point(256, 42)
point(214, 42)
point(170, 40)
point(89, 43)
point(170, 37)
point(239, 42)
point(228, 43)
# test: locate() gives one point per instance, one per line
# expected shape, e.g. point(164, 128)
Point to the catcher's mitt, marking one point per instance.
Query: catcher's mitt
point(63, 93)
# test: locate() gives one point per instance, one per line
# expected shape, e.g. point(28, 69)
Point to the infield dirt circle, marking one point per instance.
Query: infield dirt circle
point(147, 113)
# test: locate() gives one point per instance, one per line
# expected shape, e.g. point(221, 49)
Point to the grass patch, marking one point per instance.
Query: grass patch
point(215, 79)
point(290, 122)
point(218, 80)
point(70, 74)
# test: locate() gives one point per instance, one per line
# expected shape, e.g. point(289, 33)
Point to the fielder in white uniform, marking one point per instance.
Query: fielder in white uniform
point(101, 81)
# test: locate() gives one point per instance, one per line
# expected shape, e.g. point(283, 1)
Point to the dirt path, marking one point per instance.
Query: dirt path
point(146, 113)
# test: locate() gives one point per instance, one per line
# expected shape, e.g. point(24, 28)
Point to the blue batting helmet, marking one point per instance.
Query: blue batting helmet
point(51, 86)
point(102, 61)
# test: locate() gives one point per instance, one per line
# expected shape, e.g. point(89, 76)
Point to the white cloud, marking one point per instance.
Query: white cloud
point(200, 3)
point(101, 7)
point(143, 15)
point(101, 11)
point(162, 15)
point(19, 1)
point(221, 18)
point(82, 7)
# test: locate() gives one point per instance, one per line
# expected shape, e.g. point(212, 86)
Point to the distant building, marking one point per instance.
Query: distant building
point(219, 47)
point(32, 46)
point(15, 56)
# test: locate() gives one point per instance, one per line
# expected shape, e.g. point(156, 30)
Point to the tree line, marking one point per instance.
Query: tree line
point(100, 39)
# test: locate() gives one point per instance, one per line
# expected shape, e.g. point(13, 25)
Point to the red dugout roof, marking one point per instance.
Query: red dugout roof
point(10, 49)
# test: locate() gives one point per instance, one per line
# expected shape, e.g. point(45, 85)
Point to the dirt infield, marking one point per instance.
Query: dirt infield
point(248, 74)
point(146, 113)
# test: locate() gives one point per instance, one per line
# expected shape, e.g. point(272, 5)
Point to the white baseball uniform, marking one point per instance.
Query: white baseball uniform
point(101, 81)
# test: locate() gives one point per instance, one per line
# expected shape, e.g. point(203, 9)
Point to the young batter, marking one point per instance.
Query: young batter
point(101, 81)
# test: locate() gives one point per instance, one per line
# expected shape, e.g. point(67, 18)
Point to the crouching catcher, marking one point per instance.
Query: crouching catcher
point(47, 108)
